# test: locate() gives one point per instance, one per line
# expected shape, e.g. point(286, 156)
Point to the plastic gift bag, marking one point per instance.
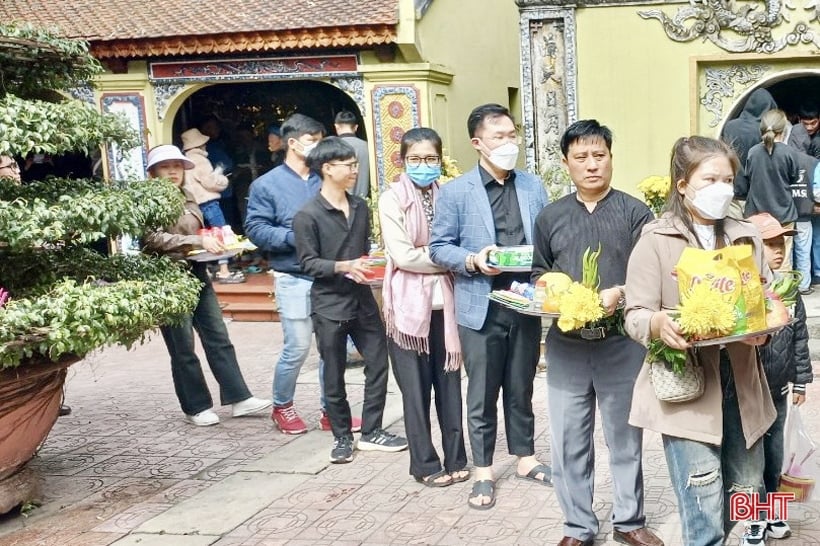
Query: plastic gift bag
point(733, 273)
point(799, 473)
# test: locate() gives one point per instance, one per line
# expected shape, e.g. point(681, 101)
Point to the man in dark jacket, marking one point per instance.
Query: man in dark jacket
point(810, 119)
point(785, 360)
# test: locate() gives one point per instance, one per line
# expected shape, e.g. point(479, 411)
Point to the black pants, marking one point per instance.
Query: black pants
point(417, 375)
point(501, 356)
point(369, 336)
point(186, 370)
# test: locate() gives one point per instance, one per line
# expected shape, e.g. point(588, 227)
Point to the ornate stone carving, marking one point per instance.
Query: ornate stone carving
point(721, 82)
point(421, 7)
point(395, 110)
point(353, 86)
point(737, 27)
point(548, 82)
point(83, 93)
point(163, 93)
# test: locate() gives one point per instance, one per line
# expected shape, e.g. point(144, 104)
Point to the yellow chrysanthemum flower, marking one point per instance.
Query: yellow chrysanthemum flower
point(706, 313)
point(655, 189)
point(449, 169)
point(578, 306)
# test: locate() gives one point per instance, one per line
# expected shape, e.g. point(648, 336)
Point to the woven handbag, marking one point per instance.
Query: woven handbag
point(671, 386)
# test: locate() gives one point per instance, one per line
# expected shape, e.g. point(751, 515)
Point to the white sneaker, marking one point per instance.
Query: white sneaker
point(203, 418)
point(755, 534)
point(249, 406)
point(777, 528)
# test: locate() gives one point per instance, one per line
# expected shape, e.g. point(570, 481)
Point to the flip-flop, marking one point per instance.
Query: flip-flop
point(538, 469)
point(430, 481)
point(463, 478)
point(482, 488)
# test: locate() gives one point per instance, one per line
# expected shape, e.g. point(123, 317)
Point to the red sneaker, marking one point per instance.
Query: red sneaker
point(324, 423)
point(287, 420)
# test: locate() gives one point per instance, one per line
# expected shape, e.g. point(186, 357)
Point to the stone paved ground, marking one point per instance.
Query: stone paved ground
point(125, 469)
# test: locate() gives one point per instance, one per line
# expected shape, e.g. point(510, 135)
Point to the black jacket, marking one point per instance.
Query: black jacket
point(743, 132)
point(786, 357)
point(769, 182)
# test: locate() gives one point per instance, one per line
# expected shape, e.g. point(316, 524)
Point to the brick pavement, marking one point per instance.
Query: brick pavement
point(125, 469)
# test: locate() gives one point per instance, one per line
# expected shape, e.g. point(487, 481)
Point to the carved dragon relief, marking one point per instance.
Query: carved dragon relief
point(740, 27)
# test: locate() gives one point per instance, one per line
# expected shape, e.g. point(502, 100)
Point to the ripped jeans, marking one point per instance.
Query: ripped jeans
point(705, 475)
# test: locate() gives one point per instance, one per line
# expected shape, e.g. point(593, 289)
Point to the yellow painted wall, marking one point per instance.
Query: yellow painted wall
point(637, 81)
point(478, 41)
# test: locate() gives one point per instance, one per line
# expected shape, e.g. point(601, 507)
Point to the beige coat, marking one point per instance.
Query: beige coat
point(650, 287)
point(205, 184)
point(178, 240)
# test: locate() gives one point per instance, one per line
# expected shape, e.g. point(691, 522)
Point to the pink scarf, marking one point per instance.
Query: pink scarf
point(409, 326)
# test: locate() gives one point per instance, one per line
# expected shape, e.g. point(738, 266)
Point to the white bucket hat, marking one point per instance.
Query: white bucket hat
point(167, 152)
point(193, 138)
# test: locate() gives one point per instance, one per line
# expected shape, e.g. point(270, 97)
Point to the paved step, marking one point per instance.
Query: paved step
point(250, 301)
point(251, 311)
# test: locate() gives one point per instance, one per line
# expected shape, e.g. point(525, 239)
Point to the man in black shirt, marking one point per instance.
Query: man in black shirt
point(331, 233)
point(593, 363)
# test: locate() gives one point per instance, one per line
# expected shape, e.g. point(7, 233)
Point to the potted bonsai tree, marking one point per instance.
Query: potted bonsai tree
point(60, 299)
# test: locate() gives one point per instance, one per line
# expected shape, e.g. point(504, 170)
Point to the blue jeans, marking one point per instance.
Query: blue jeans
point(212, 213)
point(189, 381)
point(705, 475)
point(293, 302)
point(815, 246)
point(773, 445)
point(802, 252)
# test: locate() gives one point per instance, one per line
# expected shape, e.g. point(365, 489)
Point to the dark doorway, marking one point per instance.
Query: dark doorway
point(260, 104)
point(245, 112)
point(789, 92)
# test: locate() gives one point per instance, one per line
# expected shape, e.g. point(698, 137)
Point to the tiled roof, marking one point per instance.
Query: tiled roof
point(133, 28)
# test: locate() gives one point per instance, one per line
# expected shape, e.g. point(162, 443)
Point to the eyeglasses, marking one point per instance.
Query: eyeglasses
point(415, 161)
point(354, 166)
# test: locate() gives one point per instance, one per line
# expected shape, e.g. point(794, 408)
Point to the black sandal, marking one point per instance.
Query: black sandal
point(482, 488)
point(430, 481)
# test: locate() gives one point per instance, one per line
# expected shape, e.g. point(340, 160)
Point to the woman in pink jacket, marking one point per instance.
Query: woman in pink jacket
point(713, 444)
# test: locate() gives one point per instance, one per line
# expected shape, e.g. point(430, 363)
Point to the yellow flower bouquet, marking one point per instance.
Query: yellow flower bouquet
point(449, 169)
point(704, 313)
point(580, 304)
point(655, 189)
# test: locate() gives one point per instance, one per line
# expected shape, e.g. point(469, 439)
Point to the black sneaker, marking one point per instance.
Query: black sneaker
point(342, 451)
point(381, 440)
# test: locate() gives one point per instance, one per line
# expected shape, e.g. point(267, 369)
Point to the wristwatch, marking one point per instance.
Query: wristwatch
point(622, 300)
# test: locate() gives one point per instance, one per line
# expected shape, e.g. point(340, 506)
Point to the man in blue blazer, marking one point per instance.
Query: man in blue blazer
point(493, 205)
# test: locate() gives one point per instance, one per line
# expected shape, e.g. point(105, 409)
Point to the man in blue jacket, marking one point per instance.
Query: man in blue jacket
point(492, 205)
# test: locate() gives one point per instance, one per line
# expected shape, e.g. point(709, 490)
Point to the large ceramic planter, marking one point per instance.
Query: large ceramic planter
point(30, 398)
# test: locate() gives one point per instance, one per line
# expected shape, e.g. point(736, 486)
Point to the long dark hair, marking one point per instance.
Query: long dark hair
point(687, 155)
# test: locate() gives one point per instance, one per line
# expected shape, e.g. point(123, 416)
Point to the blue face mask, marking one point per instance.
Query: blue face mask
point(423, 175)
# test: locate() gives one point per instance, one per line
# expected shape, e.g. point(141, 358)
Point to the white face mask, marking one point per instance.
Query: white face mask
point(505, 156)
point(713, 201)
point(307, 148)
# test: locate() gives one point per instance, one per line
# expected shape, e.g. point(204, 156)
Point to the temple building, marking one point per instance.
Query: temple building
point(655, 71)
point(396, 64)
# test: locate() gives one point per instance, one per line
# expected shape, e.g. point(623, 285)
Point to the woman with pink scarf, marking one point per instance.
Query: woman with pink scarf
point(420, 315)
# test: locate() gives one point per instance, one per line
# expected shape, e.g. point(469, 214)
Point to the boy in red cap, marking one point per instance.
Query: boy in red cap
point(785, 360)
